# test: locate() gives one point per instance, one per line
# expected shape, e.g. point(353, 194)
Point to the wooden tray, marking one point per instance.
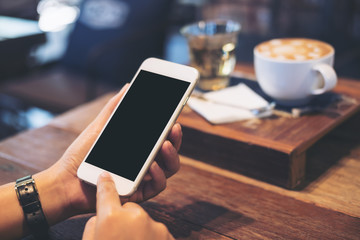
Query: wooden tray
point(271, 149)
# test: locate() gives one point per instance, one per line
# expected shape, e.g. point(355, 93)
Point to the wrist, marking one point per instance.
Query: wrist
point(54, 201)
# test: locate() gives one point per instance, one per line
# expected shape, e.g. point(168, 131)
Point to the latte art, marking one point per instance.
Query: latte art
point(294, 70)
point(296, 49)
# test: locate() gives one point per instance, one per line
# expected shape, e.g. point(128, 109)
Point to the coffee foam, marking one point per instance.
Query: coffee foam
point(296, 49)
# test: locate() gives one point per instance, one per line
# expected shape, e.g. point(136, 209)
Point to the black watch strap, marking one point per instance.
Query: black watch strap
point(28, 196)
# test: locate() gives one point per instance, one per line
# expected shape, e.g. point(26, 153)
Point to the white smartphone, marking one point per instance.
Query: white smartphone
point(139, 124)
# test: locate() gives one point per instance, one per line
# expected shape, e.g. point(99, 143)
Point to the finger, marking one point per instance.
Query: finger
point(157, 184)
point(175, 136)
point(107, 198)
point(169, 159)
point(89, 231)
point(135, 210)
point(132, 205)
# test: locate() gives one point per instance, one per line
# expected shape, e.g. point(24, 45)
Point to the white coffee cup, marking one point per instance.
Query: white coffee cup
point(292, 70)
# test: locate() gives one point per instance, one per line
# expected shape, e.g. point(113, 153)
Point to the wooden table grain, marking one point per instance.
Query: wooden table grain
point(203, 201)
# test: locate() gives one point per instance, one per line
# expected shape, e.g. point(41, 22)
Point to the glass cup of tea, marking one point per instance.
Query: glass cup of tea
point(212, 51)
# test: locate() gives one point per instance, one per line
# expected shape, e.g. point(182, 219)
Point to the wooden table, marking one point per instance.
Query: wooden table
point(203, 201)
point(272, 149)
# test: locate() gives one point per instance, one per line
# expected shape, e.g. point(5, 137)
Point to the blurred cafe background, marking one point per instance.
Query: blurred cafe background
point(58, 54)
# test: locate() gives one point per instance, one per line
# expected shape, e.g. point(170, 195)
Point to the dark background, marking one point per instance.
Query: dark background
point(334, 21)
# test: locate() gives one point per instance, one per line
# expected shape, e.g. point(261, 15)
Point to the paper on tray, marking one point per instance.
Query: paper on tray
point(239, 95)
point(229, 105)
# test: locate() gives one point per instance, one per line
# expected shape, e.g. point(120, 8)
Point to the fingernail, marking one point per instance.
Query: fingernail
point(105, 175)
point(179, 126)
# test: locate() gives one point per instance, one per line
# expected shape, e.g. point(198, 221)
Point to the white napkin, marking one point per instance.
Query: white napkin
point(229, 105)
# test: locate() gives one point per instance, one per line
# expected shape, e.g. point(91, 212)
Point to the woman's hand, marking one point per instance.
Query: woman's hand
point(63, 194)
point(77, 197)
point(116, 221)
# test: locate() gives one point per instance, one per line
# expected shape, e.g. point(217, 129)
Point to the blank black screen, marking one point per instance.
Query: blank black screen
point(130, 135)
